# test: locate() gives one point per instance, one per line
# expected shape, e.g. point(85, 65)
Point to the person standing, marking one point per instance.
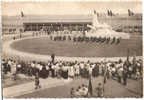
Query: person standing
point(77, 71)
point(71, 72)
point(52, 58)
point(37, 82)
point(120, 70)
point(57, 70)
point(125, 75)
point(90, 69)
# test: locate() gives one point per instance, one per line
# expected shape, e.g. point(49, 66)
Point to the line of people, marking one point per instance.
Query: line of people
point(86, 39)
point(79, 37)
point(75, 38)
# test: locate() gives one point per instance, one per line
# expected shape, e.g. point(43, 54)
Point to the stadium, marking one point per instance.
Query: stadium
point(75, 23)
point(56, 51)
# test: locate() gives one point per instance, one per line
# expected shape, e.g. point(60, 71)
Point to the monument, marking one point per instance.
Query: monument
point(103, 30)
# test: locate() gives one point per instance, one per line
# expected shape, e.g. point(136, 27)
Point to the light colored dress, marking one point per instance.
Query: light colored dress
point(71, 72)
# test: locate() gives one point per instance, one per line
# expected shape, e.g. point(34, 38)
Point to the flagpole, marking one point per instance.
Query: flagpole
point(128, 51)
point(21, 22)
point(90, 90)
point(105, 75)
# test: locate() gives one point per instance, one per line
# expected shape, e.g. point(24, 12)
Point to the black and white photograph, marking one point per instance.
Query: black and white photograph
point(75, 49)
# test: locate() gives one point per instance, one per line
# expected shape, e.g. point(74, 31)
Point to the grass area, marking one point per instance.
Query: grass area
point(45, 46)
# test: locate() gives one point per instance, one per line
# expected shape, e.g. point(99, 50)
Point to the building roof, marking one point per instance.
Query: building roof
point(17, 20)
point(58, 19)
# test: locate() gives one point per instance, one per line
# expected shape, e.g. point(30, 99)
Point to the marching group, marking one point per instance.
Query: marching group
point(86, 39)
point(78, 37)
point(74, 37)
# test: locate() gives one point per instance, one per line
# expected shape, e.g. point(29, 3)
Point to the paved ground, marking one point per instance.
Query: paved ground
point(10, 82)
point(113, 89)
point(29, 87)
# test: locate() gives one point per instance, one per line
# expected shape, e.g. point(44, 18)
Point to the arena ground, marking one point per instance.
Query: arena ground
point(45, 46)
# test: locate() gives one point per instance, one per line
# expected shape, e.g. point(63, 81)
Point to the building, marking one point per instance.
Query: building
point(47, 23)
point(57, 23)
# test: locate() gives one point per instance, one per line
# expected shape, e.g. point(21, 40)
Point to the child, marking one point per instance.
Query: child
point(137, 76)
point(72, 92)
point(100, 90)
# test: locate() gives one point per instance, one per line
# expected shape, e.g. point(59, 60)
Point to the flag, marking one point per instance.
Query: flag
point(90, 90)
point(105, 74)
point(108, 12)
point(94, 11)
point(130, 13)
point(22, 15)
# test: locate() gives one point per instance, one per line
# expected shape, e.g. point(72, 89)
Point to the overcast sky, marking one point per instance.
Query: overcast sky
point(60, 8)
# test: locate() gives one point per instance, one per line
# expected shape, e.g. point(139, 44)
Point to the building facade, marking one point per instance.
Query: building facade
point(16, 24)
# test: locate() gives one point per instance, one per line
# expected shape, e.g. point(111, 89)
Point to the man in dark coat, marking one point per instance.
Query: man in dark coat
point(125, 75)
point(52, 58)
point(37, 82)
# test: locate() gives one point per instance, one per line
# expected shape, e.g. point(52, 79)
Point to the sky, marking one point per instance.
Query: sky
point(69, 8)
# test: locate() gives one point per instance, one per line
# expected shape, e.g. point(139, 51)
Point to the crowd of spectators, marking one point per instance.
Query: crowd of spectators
point(117, 70)
point(67, 69)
